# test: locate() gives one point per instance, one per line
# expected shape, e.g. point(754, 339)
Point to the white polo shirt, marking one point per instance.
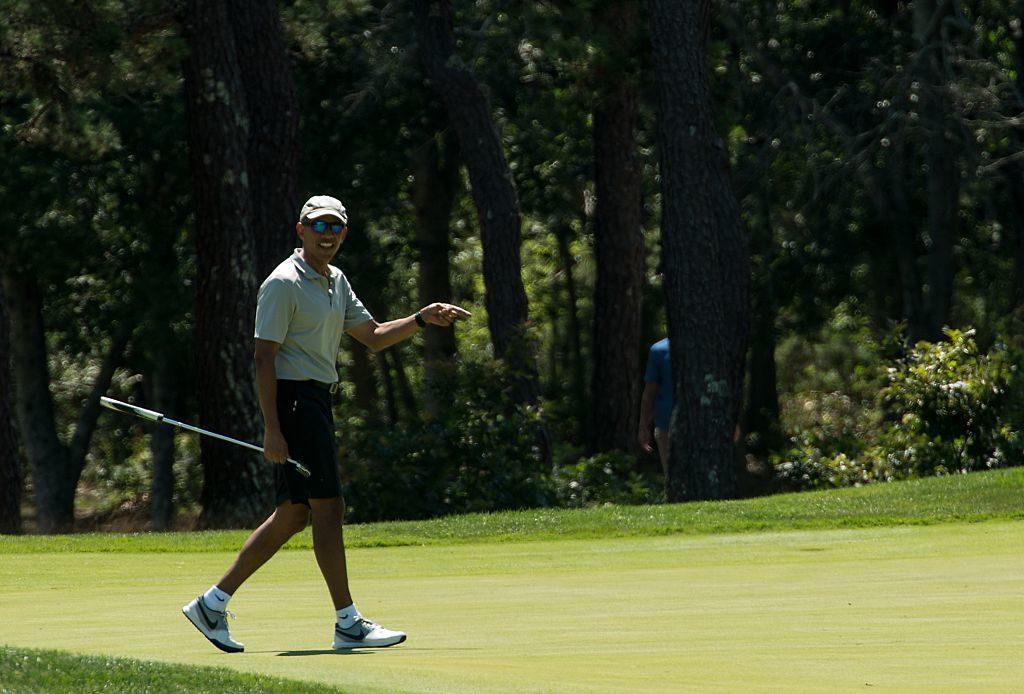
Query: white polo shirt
point(307, 314)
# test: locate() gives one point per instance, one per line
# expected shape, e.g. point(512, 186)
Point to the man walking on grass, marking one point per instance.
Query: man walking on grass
point(302, 310)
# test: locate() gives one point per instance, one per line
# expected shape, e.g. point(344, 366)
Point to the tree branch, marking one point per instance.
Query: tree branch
point(1000, 163)
point(87, 418)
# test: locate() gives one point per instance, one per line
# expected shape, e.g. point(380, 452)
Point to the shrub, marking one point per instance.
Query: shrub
point(830, 443)
point(812, 468)
point(481, 455)
point(946, 406)
point(605, 478)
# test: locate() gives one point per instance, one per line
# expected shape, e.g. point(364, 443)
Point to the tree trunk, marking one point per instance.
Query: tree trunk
point(761, 427)
point(943, 173)
point(493, 189)
point(575, 332)
point(433, 195)
point(236, 489)
point(943, 206)
point(1016, 185)
point(1015, 176)
point(163, 393)
point(56, 468)
point(891, 203)
point(554, 386)
point(405, 394)
point(390, 400)
point(361, 373)
point(618, 238)
point(883, 278)
point(88, 416)
point(889, 8)
point(273, 132)
point(762, 411)
point(47, 457)
point(10, 453)
point(705, 260)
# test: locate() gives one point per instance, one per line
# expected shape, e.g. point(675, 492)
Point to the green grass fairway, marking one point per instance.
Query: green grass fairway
point(981, 496)
point(924, 608)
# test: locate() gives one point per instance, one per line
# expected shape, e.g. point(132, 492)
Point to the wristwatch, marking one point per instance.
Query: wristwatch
point(419, 320)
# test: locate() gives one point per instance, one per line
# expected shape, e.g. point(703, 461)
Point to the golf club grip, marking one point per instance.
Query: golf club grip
point(303, 470)
point(125, 408)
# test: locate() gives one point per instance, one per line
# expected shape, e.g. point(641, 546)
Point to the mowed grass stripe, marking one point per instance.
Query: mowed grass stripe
point(927, 609)
point(995, 495)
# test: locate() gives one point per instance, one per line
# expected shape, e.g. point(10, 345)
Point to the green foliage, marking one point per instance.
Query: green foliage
point(830, 446)
point(811, 467)
point(606, 478)
point(842, 355)
point(481, 456)
point(830, 381)
point(946, 405)
point(946, 408)
point(824, 117)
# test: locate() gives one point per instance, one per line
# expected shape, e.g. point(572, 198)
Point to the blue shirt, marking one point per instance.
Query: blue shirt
point(659, 370)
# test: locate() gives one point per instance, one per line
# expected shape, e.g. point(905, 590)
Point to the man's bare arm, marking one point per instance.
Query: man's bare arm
point(274, 446)
point(647, 415)
point(378, 336)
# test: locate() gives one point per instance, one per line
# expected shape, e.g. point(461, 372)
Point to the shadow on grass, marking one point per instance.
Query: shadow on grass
point(357, 651)
point(322, 651)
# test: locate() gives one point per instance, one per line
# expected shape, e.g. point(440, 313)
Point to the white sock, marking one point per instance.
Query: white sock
point(216, 599)
point(347, 616)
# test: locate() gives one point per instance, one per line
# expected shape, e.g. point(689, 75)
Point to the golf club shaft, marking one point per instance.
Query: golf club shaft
point(154, 416)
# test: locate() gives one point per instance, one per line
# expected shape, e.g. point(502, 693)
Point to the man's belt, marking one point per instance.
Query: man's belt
point(330, 388)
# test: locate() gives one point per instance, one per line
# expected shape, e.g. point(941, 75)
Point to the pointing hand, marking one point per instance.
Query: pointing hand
point(443, 314)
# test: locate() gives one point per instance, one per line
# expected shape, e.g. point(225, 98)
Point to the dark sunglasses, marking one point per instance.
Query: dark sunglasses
point(320, 226)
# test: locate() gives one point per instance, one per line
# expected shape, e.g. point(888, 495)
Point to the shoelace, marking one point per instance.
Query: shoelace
point(222, 615)
point(364, 625)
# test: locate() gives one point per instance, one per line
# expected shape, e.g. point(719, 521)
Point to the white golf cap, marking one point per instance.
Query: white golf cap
point(323, 205)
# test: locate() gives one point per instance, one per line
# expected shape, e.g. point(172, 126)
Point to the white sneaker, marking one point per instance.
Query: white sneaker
point(212, 624)
point(366, 634)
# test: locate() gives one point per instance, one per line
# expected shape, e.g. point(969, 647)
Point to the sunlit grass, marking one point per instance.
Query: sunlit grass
point(35, 670)
point(977, 497)
point(925, 608)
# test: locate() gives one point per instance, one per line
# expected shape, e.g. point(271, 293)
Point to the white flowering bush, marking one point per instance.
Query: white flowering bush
point(946, 407)
point(813, 468)
point(605, 478)
point(830, 443)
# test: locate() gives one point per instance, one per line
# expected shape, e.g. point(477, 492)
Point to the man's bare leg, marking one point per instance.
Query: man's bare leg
point(351, 630)
point(329, 547)
point(286, 520)
point(661, 436)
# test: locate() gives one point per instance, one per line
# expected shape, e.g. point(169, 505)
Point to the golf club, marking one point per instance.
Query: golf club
point(142, 412)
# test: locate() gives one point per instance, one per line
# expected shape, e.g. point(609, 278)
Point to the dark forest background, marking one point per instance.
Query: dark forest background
point(822, 204)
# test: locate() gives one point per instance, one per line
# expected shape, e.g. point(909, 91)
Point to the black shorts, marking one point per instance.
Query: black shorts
point(304, 411)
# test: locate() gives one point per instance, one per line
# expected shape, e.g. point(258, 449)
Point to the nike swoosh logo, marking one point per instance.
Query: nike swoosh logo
point(203, 609)
point(355, 637)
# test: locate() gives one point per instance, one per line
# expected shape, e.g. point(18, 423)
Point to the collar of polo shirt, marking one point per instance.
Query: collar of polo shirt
point(306, 269)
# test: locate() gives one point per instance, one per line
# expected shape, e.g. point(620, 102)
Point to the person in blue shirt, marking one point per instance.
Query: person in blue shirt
point(656, 402)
